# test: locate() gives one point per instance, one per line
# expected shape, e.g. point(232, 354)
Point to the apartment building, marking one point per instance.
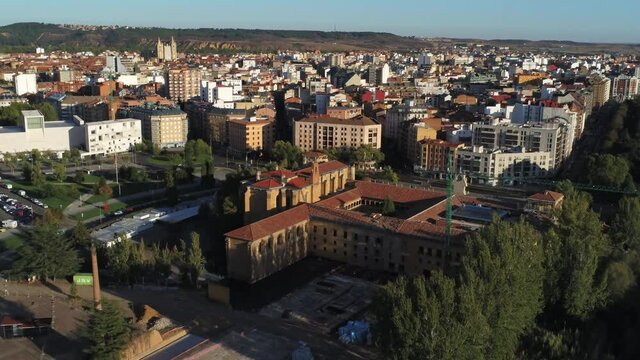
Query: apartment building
point(165, 127)
point(112, 136)
point(554, 136)
point(486, 165)
point(253, 134)
point(434, 157)
point(210, 123)
point(624, 87)
point(601, 88)
point(183, 84)
point(324, 132)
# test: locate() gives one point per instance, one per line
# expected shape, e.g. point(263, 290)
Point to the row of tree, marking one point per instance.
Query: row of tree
point(10, 115)
point(522, 292)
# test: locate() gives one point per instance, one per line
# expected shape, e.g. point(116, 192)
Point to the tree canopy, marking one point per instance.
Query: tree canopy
point(107, 332)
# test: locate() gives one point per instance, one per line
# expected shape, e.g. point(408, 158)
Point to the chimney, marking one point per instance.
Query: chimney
point(96, 279)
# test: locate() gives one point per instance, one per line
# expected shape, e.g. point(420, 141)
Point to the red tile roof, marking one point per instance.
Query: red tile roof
point(340, 199)
point(398, 194)
point(298, 183)
point(400, 226)
point(279, 173)
point(267, 184)
point(327, 167)
point(272, 224)
point(550, 196)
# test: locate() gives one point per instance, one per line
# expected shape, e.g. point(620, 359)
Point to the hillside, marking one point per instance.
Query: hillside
point(26, 36)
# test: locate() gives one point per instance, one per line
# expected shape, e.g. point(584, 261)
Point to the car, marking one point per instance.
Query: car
point(2, 230)
point(118, 213)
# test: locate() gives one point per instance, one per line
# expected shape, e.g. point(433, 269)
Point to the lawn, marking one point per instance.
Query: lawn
point(127, 188)
point(93, 213)
point(60, 200)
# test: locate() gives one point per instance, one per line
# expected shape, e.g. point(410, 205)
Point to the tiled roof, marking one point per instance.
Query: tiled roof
point(267, 184)
point(400, 226)
point(279, 173)
point(298, 183)
point(324, 168)
point(397, 193)
point(272, 224)
point(550, 196)
point(340, 199)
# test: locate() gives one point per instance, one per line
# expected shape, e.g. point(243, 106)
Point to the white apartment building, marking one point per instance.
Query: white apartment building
point(399, 114)
point(25, 84)
point(554, 136)
point(112, 136)
point(492, 166)
point(324, 132)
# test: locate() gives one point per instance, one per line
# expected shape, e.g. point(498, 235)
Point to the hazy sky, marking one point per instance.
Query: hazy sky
point(580, 20)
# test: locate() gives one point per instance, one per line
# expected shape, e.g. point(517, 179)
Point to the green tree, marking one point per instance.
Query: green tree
point(80, 236)
point(483, 316)
point(119, 258)
point(625, 228)
point(11, 161)
point(388, 207)
point(503, 270)
point(107, 332)
point(229, 207)
point(78, 177)
point(75, 157)
point(575, 248)
point(607, 170)
point(27, 171)
point(171, 192)
point(195, 259)
point(286, 154)
point(60, 172)
point(390, 175)
point(49, 112)
point(367, 153)
point(47, 254)
point(37, 177)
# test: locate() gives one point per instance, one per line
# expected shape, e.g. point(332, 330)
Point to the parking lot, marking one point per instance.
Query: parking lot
point(20, 208)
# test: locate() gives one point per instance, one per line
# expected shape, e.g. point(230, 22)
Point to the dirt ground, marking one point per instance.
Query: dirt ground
point(37, 300)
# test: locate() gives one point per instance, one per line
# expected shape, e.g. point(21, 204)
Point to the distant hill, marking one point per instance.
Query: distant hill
point(22, 37)
point(27, 36)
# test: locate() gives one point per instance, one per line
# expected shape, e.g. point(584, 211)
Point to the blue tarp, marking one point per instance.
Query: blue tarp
point(355, 332)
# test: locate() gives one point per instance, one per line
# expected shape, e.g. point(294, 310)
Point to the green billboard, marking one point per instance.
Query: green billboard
point(83, 279)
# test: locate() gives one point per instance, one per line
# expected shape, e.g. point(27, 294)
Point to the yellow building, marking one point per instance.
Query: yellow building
point(324, 132)
point(250, 135)
point(183, 84)
point(274, 191)
point(415, 134)
point(347, 228)
point(165, 127)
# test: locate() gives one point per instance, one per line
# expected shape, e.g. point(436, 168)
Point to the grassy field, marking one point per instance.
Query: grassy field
point(127, 188)
point(60, 200)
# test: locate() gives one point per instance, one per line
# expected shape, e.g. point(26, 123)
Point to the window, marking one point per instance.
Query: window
point(335, 232)
point(324, 231)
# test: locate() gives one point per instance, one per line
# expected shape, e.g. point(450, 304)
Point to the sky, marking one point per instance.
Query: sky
point(614, 21)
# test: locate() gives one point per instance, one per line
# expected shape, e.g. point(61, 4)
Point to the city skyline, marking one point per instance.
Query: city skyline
point(492, 19)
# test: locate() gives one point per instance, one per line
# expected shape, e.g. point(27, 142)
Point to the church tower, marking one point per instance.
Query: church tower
point(174, 49)
point(160, 50)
